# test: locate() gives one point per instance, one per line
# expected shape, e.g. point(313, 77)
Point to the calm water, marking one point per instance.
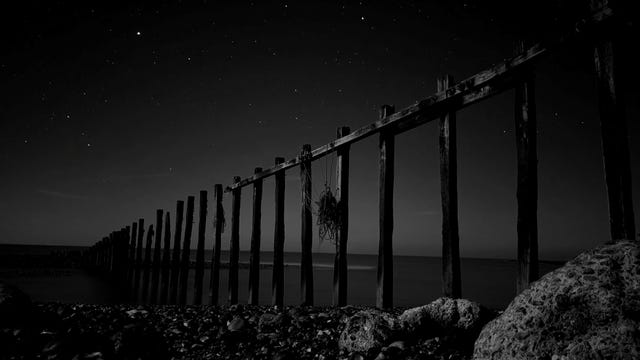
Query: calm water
point(416, 280)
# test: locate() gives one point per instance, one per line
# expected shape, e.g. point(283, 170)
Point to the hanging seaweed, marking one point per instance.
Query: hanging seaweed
point(328, 216)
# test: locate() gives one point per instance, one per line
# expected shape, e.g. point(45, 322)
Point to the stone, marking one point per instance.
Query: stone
point(368, 331)
point(236, 324)
point(444, 316)
point(15, 306)
point(587, 309)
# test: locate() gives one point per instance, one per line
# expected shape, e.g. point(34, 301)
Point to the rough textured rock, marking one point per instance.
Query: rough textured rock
point(368, 331)
point(588, 309)
point(443, 314)
point(15, 306)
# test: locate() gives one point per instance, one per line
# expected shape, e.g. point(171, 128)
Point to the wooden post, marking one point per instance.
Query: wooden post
point(306, 261)
point(126, 231)
point(234, 251)
point(254, 257)
point(384, 295)
point(117, 257)
point(277, 284)
point(175, 260)
point(127, 252)
point(340, 270)
point(615, 142)
point(136, 280)
point(527, 186)
point(202, 223)
point(451, 282)
point(132, 259)
point(157, 258)
point(166, 260)
point(218, 225)
point(186, 252)
point(110, 254)
point(147, 265)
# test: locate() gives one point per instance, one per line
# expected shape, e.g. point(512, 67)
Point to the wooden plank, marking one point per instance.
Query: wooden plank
point(157, 258)
point(254, 256)
point(384, 293)
point(277, 281)
point(147, 265)
point(306, 260)
point(139, 259)
point(186, 253)
point(615, 143)
point(175, 258)
point(202, 226)
point(481, 86)
point(166, 261)
point(218, 226)
point(234, 250)
point(527, 183)
point(451, 284)
point(340, 271)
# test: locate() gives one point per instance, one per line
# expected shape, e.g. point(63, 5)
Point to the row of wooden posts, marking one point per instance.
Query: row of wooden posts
point(154, 271)
point(115, 253)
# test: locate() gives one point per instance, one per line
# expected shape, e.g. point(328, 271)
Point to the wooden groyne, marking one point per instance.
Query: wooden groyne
point(120, 255)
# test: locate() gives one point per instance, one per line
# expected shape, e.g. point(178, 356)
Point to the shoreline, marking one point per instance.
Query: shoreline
point(196, 332)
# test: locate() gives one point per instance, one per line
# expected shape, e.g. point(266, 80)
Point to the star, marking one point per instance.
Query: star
point(138, 33)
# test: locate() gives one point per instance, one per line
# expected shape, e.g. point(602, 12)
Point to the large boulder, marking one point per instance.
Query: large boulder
point(15, 306)
point(588, 309)
point(368, 331)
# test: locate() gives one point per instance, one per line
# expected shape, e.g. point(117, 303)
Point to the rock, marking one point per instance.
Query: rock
point(588, 309)
point(368, 331)
point(236, 324)
point(445, 316)
point(15, 306)
point(397, 344)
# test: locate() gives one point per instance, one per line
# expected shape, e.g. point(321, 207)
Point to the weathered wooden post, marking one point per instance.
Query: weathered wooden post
point(306, 260)
point(132, 259)
point(128, 251)
point(117, 256)
point(254, 257)
point(202, 223)
point(451, 282)
point(166, 260)
point(384, 295)
point(234, 251)
point(110, 244)
point(218, 225)
point(340, 270)
point(277, 284)
point(157, 258)
point(527, 185)
point(136, 276)
point(175, 261)
point(615, 142)
point(147, 265)
point(186, 252)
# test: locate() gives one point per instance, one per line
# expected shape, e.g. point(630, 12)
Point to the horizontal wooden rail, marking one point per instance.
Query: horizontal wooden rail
point(480, 86)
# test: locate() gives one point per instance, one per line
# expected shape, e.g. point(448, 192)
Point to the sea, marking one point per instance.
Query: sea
point(416, 279)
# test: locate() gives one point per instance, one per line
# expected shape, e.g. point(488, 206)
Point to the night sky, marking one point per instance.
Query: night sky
point(109, 111)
